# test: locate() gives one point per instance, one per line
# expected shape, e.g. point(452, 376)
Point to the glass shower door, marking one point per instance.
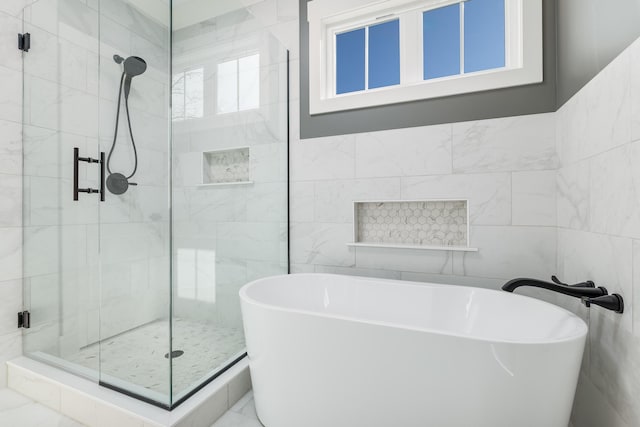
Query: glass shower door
point(135, 217)
point(60, 235)
point(97, 273)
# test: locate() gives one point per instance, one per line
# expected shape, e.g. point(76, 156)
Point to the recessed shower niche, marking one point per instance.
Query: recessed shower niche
point(412, 224)
point(228, 166)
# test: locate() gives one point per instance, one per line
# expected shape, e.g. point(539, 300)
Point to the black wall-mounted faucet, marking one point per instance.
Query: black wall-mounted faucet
point(579, 290)
point(587, 291)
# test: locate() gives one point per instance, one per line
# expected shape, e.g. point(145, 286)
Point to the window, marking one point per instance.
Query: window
point(368, 58)
point(187, 95)
point(484, 35)
point(364, 54)
point(441, 42)
point(239, 84)
point(483, 46)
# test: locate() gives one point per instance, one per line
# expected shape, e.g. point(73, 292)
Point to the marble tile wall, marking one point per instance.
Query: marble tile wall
point(10, 183)
point(598, 137)
point(505, 168)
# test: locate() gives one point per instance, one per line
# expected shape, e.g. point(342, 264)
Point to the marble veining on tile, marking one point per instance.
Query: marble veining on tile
point(424, 223)
point(18, 410)
point(242, 414)
point(597, 234)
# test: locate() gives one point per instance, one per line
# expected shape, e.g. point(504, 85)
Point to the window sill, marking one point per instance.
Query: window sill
point(477, 82)
point(222, 184)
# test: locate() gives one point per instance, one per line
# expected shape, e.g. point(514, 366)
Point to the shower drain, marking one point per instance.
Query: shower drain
point(174, 354)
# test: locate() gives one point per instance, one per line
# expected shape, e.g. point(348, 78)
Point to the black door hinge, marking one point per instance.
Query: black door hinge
point(24, 319)
point(24, 42)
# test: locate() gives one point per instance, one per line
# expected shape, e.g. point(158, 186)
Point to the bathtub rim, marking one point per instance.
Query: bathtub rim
point(580, 334)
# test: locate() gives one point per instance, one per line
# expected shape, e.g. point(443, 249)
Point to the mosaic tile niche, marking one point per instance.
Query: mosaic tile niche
point(428, 223)
point(226, 166)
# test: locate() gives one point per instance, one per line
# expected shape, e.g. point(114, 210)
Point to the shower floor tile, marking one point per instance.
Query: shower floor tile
point(138, 356)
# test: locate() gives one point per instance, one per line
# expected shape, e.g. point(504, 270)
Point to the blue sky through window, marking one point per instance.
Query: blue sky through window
point(483, 45)
point(484, 35)
point(384, 54)
point(350, 67)
point(441, 42)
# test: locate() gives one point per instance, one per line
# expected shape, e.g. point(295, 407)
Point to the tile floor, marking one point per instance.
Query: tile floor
point(138, 356)
point(242, 414)
point(17, 410)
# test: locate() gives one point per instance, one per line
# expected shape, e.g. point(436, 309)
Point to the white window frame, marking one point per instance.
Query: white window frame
point(523, 52)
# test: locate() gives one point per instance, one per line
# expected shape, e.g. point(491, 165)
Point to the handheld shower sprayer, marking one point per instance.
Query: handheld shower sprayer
point(133, 66)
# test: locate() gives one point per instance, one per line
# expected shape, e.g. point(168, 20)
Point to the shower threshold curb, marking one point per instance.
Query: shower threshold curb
point(88, 403)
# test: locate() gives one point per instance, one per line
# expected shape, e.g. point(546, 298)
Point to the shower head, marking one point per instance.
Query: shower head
point(134, 66)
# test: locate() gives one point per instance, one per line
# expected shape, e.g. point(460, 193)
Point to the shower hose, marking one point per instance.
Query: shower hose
point(115, 135)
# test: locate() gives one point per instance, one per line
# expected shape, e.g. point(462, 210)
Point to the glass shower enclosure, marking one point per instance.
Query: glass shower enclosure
point(155, 186)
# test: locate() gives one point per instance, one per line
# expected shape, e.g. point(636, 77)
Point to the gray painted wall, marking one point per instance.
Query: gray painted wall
point(531, 99)
point(590, 34)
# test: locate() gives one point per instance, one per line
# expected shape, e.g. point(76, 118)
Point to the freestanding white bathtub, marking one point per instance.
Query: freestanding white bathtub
point(340, 351)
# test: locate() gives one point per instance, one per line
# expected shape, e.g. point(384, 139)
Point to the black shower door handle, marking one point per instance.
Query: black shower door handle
point(76, 159)
point(102, 176)
point(76, 184)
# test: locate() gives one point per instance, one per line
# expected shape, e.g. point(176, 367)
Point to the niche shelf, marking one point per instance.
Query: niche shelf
point(439, 224)
point(229, 166)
